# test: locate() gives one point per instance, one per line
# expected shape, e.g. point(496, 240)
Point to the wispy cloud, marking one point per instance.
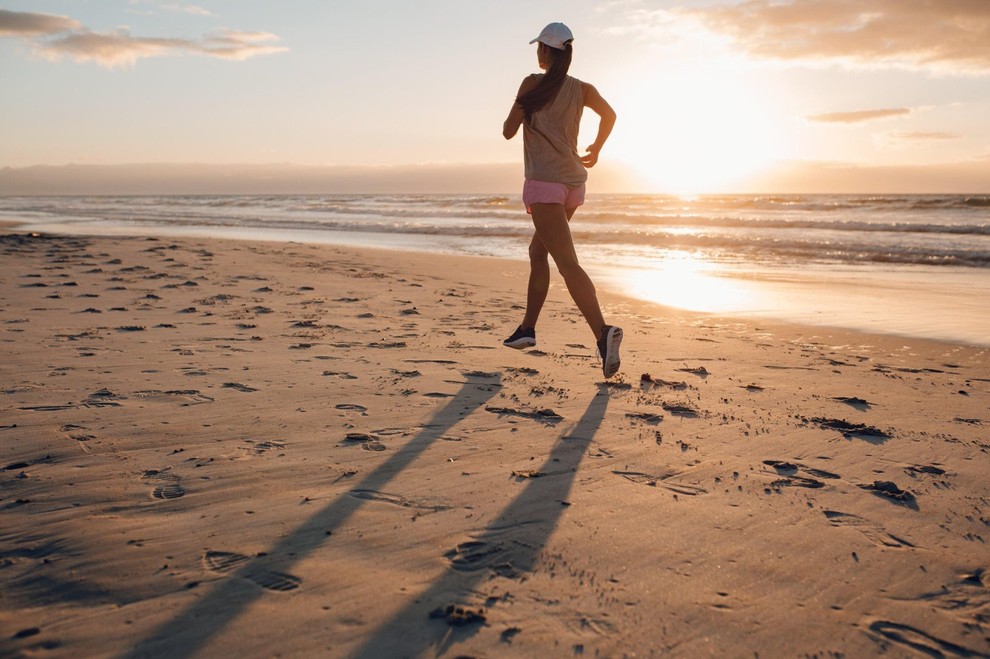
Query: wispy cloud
point(26, 24)
point(945, 36)
point(231, 44)
point(113, 49)
point(858, 116)
point(188, 9)
point(916, 137)
point(926, 136)
point(171, 6)
point(55, 37)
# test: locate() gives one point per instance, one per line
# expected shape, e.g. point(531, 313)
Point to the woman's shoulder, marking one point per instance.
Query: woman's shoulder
point(576, 86)
point(587, 89)
point(529, 82)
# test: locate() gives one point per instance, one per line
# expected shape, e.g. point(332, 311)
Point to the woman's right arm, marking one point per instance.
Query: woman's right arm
point(516, 114)
point(599, 106)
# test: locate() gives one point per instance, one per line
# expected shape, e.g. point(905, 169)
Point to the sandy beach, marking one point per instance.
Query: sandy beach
point(231, 448)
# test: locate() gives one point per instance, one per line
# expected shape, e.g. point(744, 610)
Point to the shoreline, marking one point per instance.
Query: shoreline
point(891, 301)
point(209, 439)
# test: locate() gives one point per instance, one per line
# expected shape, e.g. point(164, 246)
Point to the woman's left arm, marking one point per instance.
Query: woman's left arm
point(516, 114)
point(594, 100)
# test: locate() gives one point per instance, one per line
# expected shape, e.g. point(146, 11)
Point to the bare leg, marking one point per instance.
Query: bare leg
point(539, 278)
point(553, 231)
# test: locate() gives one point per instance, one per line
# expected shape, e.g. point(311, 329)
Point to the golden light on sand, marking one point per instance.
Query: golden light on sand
point(697, 130)
point(685, 281)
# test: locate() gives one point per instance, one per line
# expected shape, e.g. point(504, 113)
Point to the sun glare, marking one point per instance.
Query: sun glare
point(696, 131)
point(686, 281)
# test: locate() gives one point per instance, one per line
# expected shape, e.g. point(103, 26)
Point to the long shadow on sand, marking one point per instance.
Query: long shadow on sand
point(201, 621)
point(509, 546)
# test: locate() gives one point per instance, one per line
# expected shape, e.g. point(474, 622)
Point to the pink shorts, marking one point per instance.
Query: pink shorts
point(544, 192)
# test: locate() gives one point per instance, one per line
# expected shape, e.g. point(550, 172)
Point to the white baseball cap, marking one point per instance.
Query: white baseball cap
point(555, 35)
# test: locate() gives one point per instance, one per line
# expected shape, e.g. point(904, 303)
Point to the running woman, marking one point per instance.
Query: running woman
point(548, 107)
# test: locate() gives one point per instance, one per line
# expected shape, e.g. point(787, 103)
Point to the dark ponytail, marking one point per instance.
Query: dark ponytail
point(546, 90)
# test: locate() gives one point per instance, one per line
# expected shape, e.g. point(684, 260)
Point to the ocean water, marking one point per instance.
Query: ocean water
point(917, 265)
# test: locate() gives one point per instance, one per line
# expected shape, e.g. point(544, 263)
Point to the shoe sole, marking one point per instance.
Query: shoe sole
point(519, 344)
point(611, 362)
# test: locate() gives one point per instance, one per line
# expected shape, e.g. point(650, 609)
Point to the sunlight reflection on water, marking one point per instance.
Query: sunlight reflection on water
point(936, 302)
point(686, 281)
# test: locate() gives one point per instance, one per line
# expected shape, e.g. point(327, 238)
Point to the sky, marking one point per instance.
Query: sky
point(711, 95)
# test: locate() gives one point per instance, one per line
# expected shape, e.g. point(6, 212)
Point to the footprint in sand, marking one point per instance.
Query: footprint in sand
point(351, 407)
point(477, 555)
point(387, 344)
point(789, 471)
point(226, 562)
point(397, 500)
point(920, 640)
point(649, 417)
point(268, 446)
point(874, 532)
point(78, 434)
point(368, 442)
point(965, 599)
point(700, 371)
point(544, 415)
point(238, 387)
point(169, 487)
point(102, 398)
point(660, 481)
point(681, 410)
point(916, 470)
point(339, 374)
point(854, 402)
point(182, 396)
point(171, 491)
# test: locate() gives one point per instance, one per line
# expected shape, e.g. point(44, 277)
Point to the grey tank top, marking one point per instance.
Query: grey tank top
point(550, 138)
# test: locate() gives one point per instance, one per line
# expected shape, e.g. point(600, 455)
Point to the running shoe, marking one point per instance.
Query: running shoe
point(521, 338)
point(608, 349)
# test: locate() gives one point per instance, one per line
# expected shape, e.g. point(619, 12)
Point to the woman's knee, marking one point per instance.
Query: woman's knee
point(537, 252)
point(568, 266)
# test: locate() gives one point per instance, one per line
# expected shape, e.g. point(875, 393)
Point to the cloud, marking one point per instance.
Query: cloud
point(240, 45)
point(169, 6)
point(55, 37)
point(923, 135)
point(120, 48)
point(26, 24)
point(117, 48)
point(910, 138)
point(942, 36)
point(858, 116)
point(188, 9)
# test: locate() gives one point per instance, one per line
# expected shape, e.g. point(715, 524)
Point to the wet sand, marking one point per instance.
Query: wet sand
point(221, 448)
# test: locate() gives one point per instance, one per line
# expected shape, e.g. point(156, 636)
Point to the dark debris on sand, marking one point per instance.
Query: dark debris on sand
point(849, 429)
point(890, 490)
point(457, 616)
point(546, 415)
